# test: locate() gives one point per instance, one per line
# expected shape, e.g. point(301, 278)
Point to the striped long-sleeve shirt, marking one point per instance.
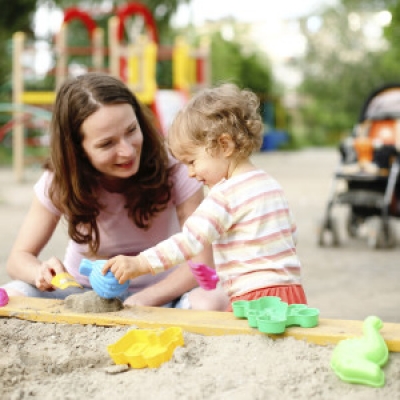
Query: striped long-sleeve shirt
point(248, 222)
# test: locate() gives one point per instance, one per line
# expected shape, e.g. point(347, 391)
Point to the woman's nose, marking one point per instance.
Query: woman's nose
point(125, 147)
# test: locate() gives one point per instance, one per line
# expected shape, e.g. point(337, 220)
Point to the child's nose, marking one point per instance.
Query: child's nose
point(191, 171)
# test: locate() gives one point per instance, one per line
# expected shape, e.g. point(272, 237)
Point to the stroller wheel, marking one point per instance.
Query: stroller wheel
point(328, 234)
point(381, 237)
point(353, 224)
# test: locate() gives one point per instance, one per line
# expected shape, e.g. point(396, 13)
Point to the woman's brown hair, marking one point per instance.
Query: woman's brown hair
point(74, 189)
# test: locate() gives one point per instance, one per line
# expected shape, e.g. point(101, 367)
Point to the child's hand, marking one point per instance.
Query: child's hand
point(124, 267)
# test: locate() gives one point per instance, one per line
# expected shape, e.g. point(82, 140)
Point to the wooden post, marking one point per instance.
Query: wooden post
point(18, 87)
point(98, 49)
point(113, 46)
point(61, 65)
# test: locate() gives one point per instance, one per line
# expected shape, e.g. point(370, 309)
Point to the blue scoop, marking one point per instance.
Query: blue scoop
point(105, 286)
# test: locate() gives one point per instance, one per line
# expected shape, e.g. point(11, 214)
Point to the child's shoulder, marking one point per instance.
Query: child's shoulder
point(257, 181)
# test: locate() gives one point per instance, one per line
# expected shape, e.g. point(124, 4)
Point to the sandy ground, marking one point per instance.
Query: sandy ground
point(50, 361)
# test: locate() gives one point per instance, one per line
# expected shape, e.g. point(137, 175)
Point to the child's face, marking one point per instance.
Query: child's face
point(112, 140)
point(209, 168)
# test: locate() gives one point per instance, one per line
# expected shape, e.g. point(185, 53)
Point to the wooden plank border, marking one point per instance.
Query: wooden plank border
point(210, 323)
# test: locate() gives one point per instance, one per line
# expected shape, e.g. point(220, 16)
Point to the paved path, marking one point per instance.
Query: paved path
point(350, 282)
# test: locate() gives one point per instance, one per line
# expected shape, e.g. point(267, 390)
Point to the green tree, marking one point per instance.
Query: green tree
point(392, 32)
point(14, 16)
point(229, 63)
point(340, 71)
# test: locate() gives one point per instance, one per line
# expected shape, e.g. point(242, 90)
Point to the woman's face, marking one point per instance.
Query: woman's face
point(112, 140)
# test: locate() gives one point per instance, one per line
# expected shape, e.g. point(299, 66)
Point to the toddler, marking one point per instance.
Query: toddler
point(245, 215)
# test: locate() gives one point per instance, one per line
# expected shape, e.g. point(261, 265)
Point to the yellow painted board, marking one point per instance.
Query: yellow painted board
point(210, 323)
point(42, 98)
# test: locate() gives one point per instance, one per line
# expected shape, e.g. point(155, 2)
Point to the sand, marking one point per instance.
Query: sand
point(91, 302)
point(57, 361)
point(54, 361)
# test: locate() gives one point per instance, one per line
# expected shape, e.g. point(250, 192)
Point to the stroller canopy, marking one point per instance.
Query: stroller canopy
point(383, 103)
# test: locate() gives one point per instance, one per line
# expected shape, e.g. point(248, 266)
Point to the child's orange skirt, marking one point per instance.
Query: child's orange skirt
point(291, 294)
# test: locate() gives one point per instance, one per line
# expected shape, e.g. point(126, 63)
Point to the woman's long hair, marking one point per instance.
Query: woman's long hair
point(74, 189)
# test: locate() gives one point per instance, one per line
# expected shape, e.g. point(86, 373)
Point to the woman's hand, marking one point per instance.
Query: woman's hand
point(124, 267)
point(46, 273)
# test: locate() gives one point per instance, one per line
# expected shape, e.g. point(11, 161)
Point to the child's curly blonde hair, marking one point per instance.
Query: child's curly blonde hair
point(225, 109)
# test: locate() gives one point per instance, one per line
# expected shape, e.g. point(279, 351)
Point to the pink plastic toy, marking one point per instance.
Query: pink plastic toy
point(3, 298)
point(206, 277)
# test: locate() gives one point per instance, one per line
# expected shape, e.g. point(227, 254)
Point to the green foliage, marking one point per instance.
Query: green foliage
point(162, 12)
point(368, 5)
point(164, 74)
point(392, 32)
point(229, 64)
point(5, 155)
point(256, 74)
point(339, 75)
point(15, 15)
point(225, 60)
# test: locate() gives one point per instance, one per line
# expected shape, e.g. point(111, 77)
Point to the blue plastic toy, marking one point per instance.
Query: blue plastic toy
point(271, 315)
point(105, 286)
point(359, 360)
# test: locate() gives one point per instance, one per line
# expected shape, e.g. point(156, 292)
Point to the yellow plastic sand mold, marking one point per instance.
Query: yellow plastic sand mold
point(146, 348)
point(64, 280)
point(360, 360)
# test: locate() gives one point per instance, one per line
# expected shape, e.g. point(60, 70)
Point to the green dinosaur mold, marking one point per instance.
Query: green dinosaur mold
point(271, 315)
point(359, 360)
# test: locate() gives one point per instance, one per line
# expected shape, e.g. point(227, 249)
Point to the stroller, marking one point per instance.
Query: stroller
point(366, 180)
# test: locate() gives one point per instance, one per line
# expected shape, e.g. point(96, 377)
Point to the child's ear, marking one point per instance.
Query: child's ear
point(226, 144)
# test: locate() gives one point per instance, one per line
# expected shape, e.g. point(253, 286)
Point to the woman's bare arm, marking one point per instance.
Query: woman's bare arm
point(36, 230)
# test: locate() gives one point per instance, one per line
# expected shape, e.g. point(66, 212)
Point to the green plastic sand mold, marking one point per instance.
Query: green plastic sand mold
point(146, 348)
point(359, 360)
point(271, 315)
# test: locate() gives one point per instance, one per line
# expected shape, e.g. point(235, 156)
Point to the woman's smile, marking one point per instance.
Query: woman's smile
point(125, 165)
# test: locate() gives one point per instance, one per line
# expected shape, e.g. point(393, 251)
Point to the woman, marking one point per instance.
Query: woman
point(110, 177)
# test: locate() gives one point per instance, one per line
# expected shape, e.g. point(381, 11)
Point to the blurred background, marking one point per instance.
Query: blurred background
point(311, 62)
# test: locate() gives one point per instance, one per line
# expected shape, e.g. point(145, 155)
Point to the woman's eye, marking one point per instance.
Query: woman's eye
point(106, 144)
point(131, 131)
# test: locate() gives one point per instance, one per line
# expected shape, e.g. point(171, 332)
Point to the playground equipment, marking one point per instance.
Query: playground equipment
point(134, 60)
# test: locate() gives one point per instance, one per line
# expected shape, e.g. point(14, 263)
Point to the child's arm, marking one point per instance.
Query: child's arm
point(200, 229)
point(125, 267)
